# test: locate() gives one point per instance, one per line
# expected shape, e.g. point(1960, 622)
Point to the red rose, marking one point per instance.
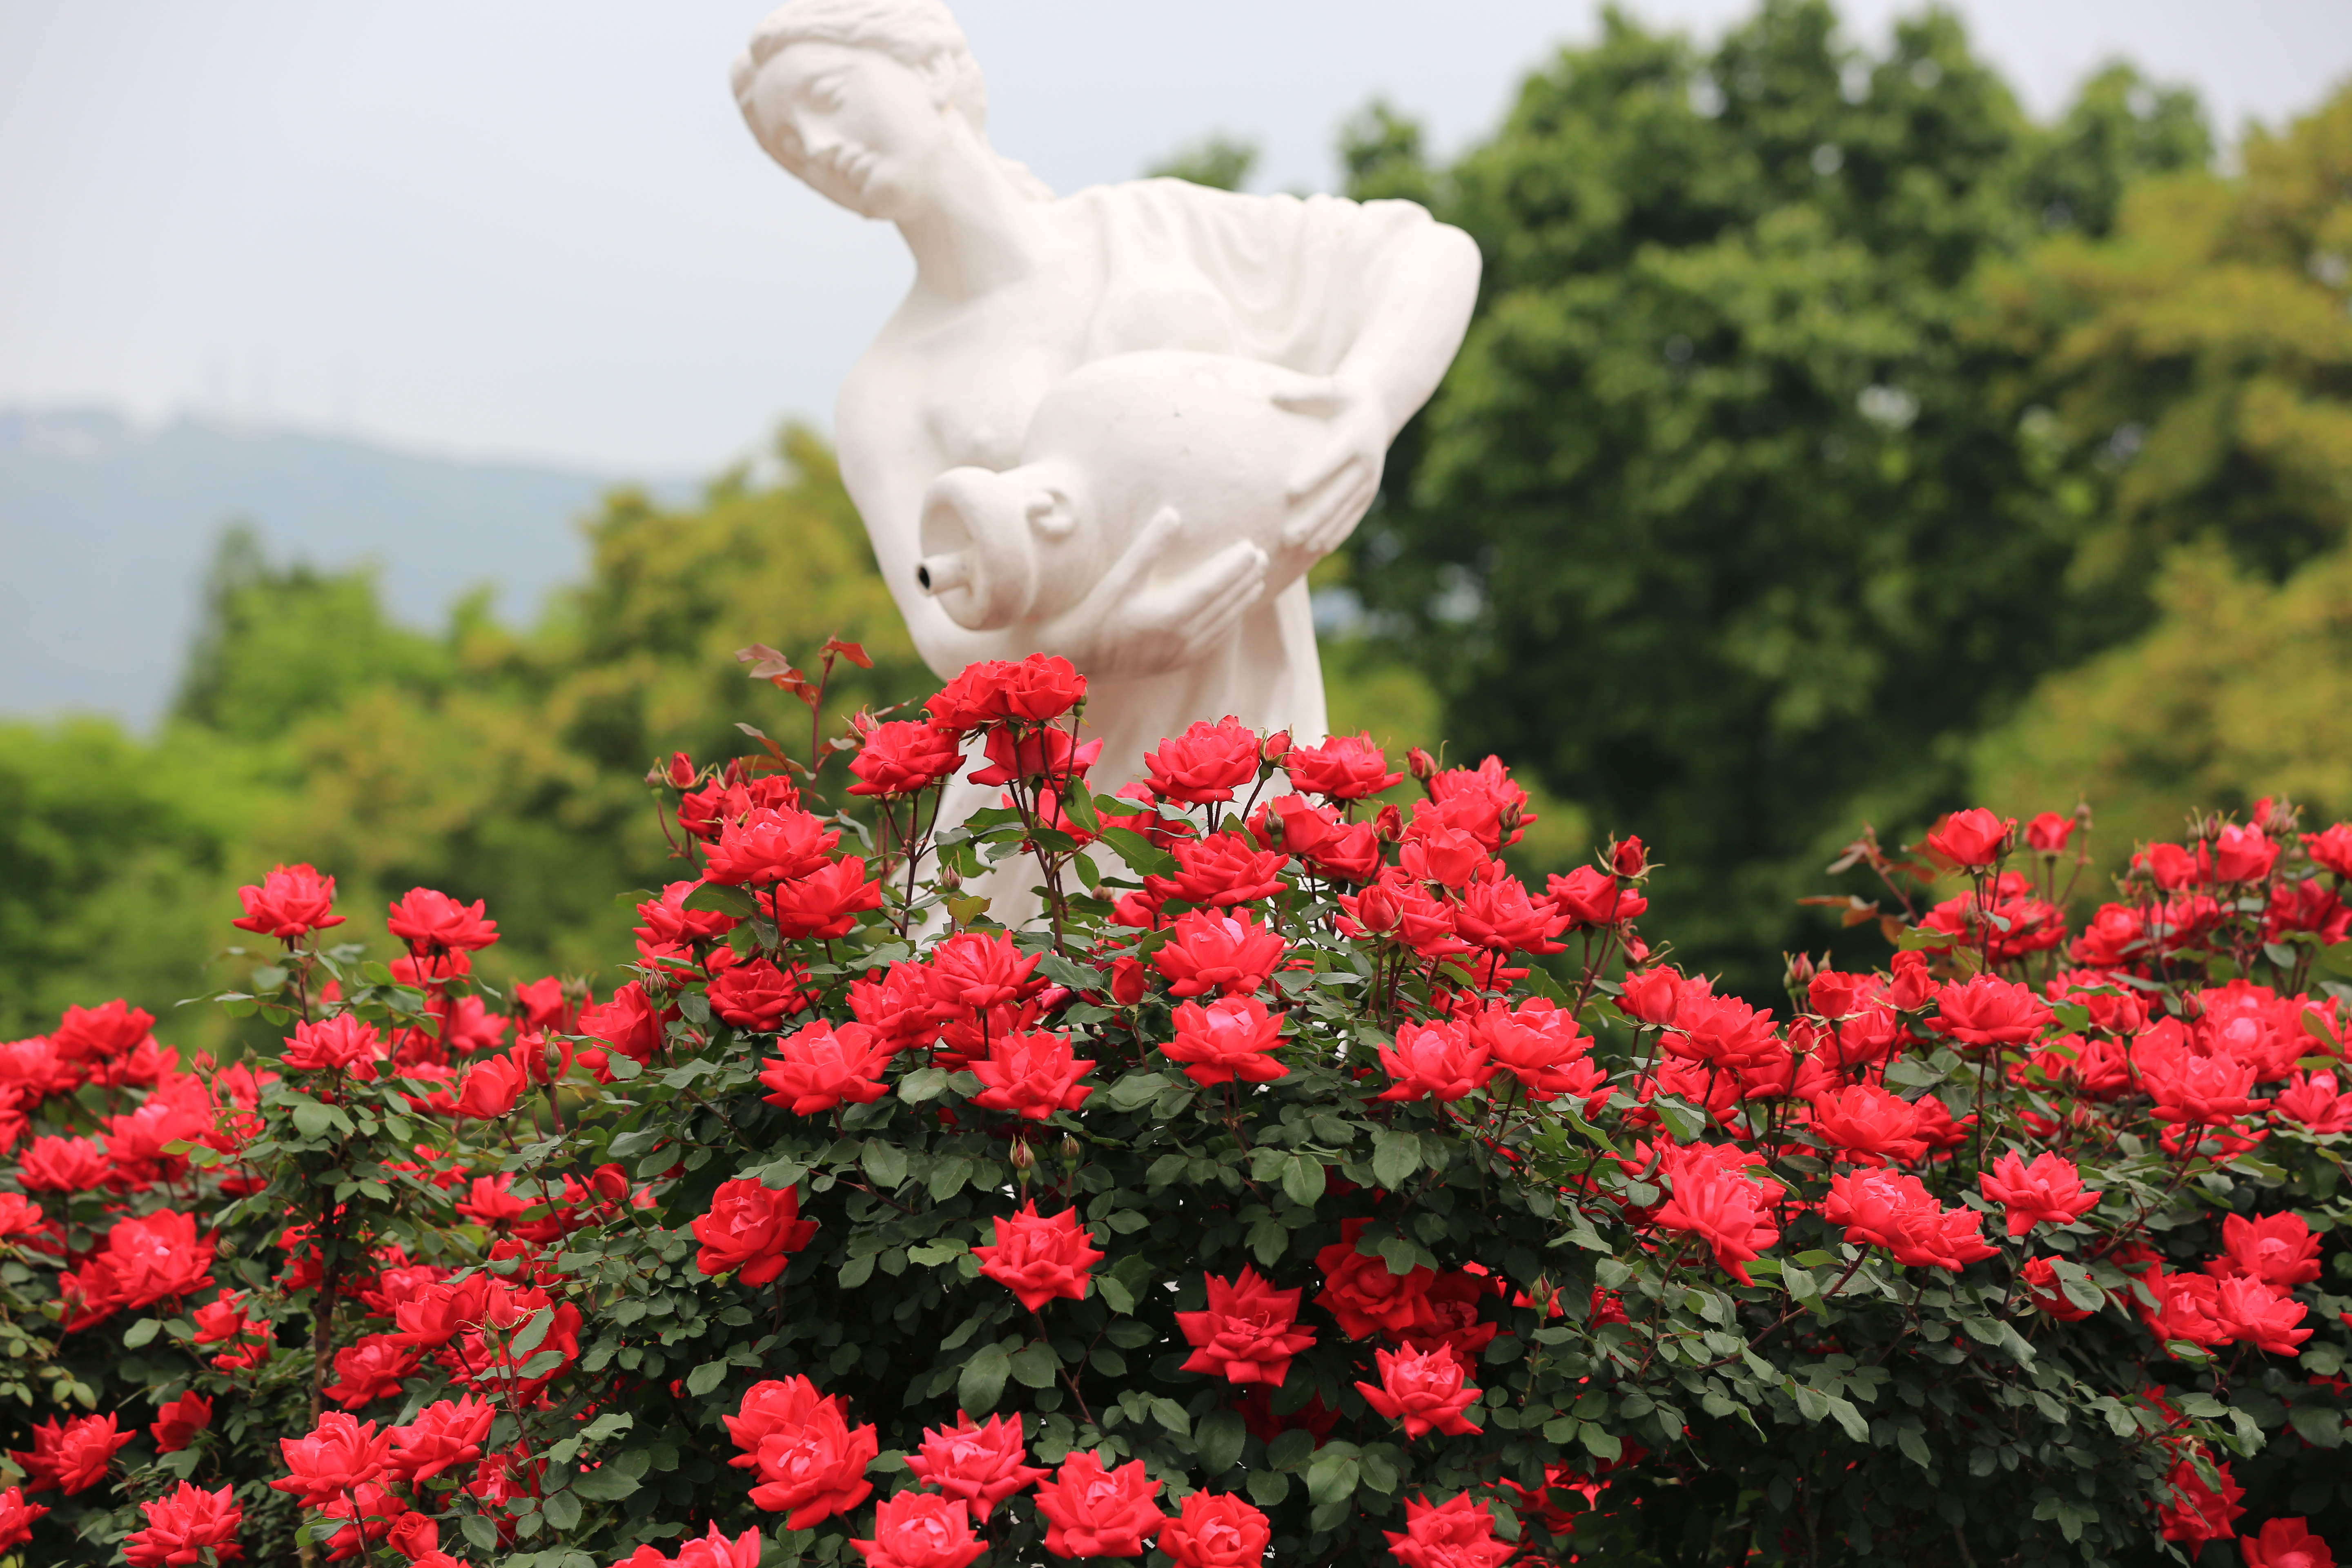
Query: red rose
point(820, 1066)
point(370, 1369)
point(1343, 851)
point(184, 1523)
point(1046, 754)
point(918, 1530)
point(1629, 858)
point(1729, 1212)
point(157, 1256)
point(1216, 1530)
point(1864, 1119)
point(1344, 767)
point(1590, 897)
point(1441, 1060)
point(1032, 1075)
point(72, 1458)
point(446, 1433)
point(338, 1454)
point(668, 920)
point(770, 1406)
point(814, 1469)
point(1360, 1292)
point(755, 996)
point(2188, 1089)
point(1497, 915)
point(1205, 764)
point(1539, 1043)
point(17, 1518)
point(1234, 1037)
point(903, 757)
point(2048, 1191)
point(100, 1034)
point(1482, 802)
point(490, 1089)
point(1093, 1513)
point(769, 845)
point(826, 903)
point(628, 1023)
point(1036, 688)
point(1212, 950)
point(2049, 831)
point(1885, 1209)
point(1249, 1331)
point(178, 1422)
point(1461, 1534)
point(2173, 868)
point(981, 1465)
point(292, 902)
point(2286, 1544)
point(1434, 852)
point(1221, 869)
point(1652, 995)
point(341, 1041)
point(752, 1229)
point(1972, 839)
point(426, 920)
point(975, 970)
point(1990, 1011)
point(1425, 1392)
point(1038, 1259)
point(2242, 854)
point(712, 1551)
point(2199, 1512)
point(2277, 1249)
point(2333, 848)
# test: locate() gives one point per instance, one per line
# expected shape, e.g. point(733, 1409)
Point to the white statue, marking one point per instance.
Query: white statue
point(1117, 425)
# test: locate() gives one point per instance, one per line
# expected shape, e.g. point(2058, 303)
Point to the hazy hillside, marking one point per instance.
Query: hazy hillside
point(106, 527)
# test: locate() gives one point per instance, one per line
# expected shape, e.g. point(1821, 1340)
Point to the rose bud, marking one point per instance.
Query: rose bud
point(1389, 825)
point(1023, 1159)
point(1801, 970)
point(1276, 747)
point(1629, 858)
point(1420, 765)
point(681, 769)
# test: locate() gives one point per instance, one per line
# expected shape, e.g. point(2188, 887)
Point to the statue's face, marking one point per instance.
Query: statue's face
point(860, 128)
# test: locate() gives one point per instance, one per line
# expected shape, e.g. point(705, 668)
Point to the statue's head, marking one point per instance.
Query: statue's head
point(858, 97)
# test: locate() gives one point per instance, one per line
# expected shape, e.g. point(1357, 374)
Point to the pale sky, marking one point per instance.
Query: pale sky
point(534, 229)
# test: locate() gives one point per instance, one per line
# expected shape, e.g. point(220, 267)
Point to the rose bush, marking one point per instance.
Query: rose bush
point(1298, 1182)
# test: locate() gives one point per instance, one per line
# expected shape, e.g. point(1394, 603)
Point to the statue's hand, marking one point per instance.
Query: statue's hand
point(1130, 626)
point(1335, 481)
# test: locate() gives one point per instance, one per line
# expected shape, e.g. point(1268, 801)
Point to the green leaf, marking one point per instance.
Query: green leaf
point(1395, 1156)
point(1302, 1179)
point(1850, 1418)
point(1219, 1440)
point(562, 1511)
point(1135, 1089)
point(312, 1119)
point(139, 1333)
point(922, 1084)
point(1035, 1365)
point(1266, 1488)
point(1332, 1479)
point(1115, 1295)
point(479, 1529)
point(1173, 1416)
point(612, 1423)
point(706, 1377)
point(2317, 1425)
point(1290, 1450)
point(886, 1162)
point(948, 1177)
point(982, 1382)
point(605, 1483)
point(1599, 1441)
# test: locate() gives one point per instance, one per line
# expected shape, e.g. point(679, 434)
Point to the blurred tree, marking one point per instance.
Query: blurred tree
point(1711, 524)
point(518, 780)
point(2193, 376)
point(1219, 160)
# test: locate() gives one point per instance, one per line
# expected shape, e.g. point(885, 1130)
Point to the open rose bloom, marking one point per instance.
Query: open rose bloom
point(1318, 1177)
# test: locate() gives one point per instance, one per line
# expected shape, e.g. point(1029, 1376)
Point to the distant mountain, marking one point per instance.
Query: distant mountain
point(106, 528)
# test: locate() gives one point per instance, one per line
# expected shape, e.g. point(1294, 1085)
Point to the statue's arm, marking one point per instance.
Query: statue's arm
point(1422, 285)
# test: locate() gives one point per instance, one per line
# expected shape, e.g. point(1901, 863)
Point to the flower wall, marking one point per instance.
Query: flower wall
point(1300, 1186)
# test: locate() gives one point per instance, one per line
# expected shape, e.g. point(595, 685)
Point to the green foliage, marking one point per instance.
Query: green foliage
point(1222, 162)
point(1712, 524)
